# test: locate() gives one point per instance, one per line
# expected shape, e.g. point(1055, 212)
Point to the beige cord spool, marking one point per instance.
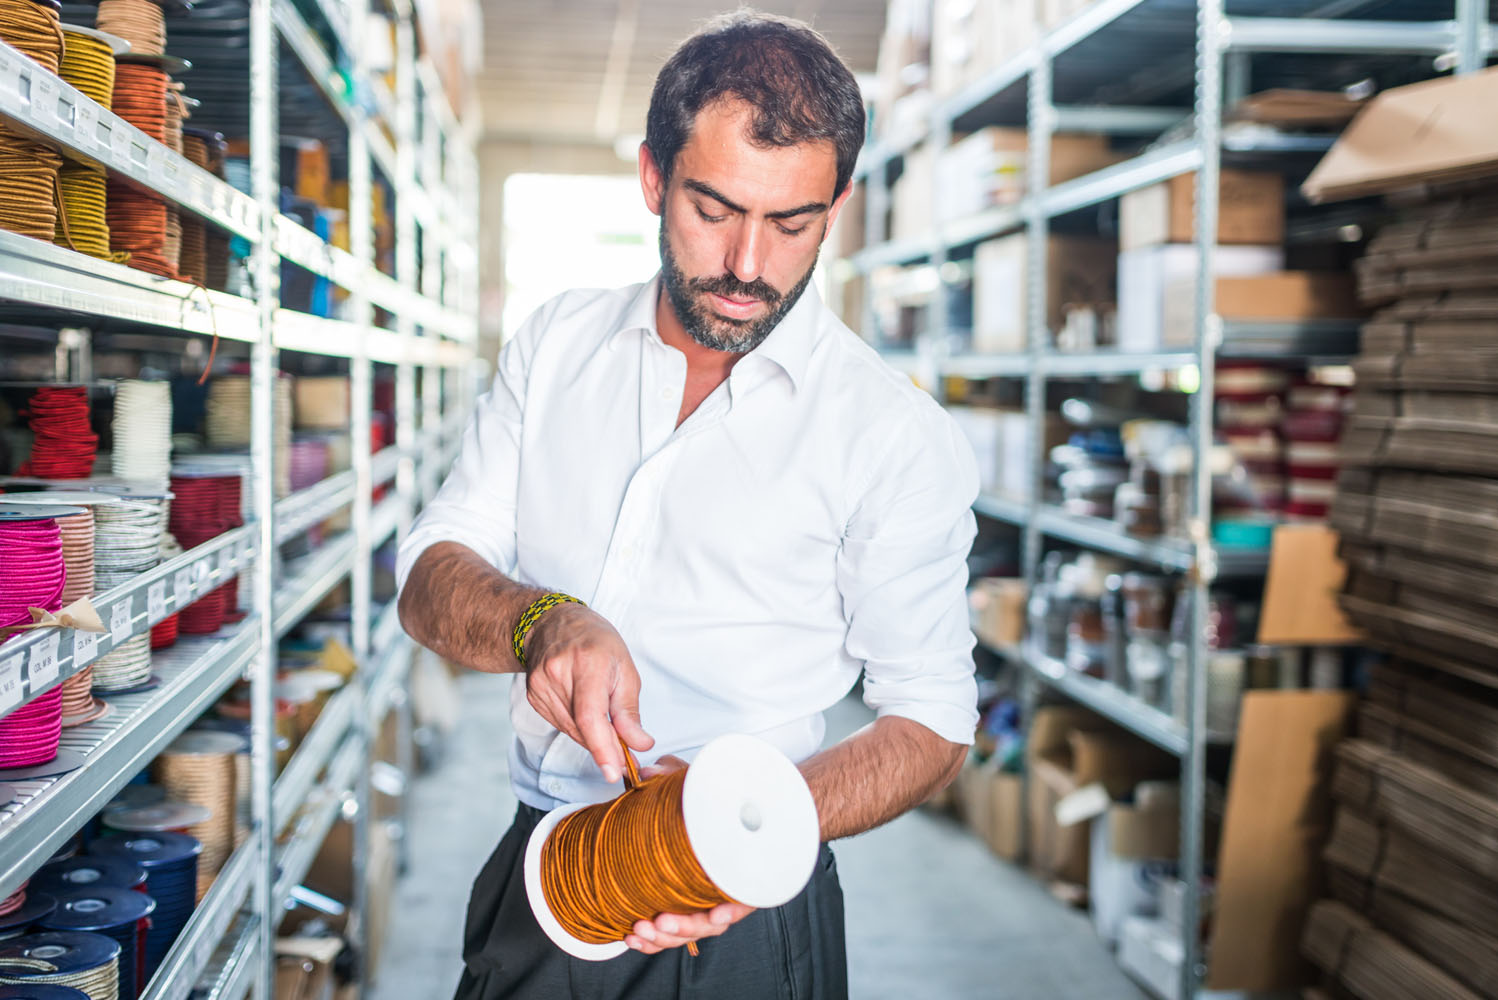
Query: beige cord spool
point(139, 22)
point(102, 982)
point(199, 768)
point(228, 421)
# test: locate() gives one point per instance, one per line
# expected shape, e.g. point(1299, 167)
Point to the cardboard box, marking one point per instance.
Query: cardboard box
point(1069, 749)
point(1420, 134)
point(1278, 297)
point(990, 167)
point(997, 606)
point(1300, 594)
point(1251, 210)
point(1277, 818)
point(1079, 272)
point(1006, 805)
point(849, 234)
point(1156, 283)
point(911, 194)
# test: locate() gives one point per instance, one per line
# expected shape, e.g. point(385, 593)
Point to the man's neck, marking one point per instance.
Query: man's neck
point(703, 363)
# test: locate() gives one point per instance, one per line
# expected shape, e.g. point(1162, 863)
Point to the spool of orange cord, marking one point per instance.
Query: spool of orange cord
point(738, 825)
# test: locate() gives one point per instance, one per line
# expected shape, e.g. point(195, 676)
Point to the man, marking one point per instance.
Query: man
point(753, 507)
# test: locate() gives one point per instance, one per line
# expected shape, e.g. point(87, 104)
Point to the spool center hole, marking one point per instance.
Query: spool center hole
point(750, 816)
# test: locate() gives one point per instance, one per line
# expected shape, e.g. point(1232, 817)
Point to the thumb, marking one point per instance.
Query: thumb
point(624, 711)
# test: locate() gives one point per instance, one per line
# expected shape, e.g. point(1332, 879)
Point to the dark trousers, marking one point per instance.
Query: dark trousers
point(794, 951)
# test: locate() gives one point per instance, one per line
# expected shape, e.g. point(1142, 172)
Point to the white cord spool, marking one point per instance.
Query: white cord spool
point(142, 430)
point(751, 822)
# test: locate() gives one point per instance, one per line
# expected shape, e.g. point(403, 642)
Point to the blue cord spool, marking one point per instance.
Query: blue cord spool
point(71, 958)
point(171, 864)
point(38, 906)
point(84, 872)
point(115, 913)
point(41, 991)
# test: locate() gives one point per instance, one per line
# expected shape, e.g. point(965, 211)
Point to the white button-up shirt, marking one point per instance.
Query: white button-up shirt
point(810, 520)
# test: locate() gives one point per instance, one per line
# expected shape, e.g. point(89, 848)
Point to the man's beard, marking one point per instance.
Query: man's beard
point(720, 333)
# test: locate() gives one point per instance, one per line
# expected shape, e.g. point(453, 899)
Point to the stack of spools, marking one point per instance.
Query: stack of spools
point(1250, 401)
point(83, 872)
point(63, 445)
point(215, 240)
point(29, 168)
point(127, 542)
point(119, 914)
point(88, 64)
point(22, 909)
point(205, 506)
point(142, 430)
point(78, 704)
point(32, 575)
point(194, 257)
point(170, 861)
point(89, 963)
point(138, 219)
point(199, 768)
point(1312, 429)
point(228, 421)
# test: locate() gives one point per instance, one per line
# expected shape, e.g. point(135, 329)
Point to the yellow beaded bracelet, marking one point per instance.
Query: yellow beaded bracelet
point(532, 615)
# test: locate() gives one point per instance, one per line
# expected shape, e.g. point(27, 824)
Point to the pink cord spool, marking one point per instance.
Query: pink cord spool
point(32, 574)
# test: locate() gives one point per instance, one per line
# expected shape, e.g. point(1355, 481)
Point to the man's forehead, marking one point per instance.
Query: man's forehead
point(725, 161)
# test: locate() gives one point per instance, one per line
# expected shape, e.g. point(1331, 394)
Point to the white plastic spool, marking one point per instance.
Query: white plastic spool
point(750, 820)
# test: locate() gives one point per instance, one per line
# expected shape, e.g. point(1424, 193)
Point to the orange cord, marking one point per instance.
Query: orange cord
point(608, 866)
point(28, 169)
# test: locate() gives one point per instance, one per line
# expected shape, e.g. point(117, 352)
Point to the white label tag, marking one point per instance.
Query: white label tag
point(119, 621)
point(43, 669)
point(226, 562)
point(182, 587)
point(11, 691)
point(84, 646)
point(156, 601)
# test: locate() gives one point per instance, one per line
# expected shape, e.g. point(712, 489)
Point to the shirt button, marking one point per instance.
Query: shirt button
point(552, 787)
point(667, 394)
point(628, 552)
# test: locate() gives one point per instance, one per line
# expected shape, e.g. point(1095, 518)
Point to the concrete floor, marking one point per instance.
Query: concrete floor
point(931, 914)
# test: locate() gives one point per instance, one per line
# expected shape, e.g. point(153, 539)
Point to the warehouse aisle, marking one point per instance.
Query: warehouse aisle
point(930, 912)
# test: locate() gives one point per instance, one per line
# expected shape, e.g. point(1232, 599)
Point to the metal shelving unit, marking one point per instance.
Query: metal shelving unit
point(1082, 75)
point(409, 136)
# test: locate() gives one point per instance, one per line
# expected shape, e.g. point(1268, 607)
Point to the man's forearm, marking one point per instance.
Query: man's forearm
point(463, 609)
point(878, 773)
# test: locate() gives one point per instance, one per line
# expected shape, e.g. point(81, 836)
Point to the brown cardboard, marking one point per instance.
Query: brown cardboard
point(1278, 814)
point(322, 402)
point(998, 611)
point(1080, 271)
point(1070, 748)
point(1288, 295)
point(974, 791)
point(1284, 106)
point(1251, 210)
point(1300, 595)
point(1424, 133)
point(1144, 833)
point(1006, 805)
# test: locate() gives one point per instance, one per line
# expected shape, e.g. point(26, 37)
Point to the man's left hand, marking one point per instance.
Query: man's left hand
point(672, 930)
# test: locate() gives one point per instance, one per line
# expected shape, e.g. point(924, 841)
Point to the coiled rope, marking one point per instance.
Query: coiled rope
point(88, 64)
point(28, 168)
point(139, 22)
point(608, 866)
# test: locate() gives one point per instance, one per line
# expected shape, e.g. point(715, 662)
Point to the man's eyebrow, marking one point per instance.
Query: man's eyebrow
point(708, 190)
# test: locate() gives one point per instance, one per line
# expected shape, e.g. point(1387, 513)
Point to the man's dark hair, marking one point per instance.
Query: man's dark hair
point(799, 89)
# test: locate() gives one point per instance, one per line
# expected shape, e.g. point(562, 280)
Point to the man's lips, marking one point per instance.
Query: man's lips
point(735, 308)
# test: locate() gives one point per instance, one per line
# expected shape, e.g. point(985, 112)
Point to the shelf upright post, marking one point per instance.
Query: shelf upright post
point(266, 271)
point(432, 379)
point(934, 346)
point(1209, 56)
point(361, 392)
point(405, 372)
point(1040, 123)
point(1471, 34)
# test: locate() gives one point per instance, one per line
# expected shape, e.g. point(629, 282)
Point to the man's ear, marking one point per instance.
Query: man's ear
point(652, 181)
point(836, 209)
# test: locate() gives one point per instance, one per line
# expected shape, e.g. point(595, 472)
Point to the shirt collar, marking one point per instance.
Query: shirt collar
point(788, 346)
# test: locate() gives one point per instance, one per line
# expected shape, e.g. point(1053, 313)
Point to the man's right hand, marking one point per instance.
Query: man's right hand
point(580, 678)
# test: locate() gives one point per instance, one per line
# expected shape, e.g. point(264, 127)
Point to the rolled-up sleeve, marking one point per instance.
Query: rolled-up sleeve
point(902, 573)
point(476, 503)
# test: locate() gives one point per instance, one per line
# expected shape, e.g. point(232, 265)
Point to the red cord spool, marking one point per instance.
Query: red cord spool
point(32, 574)
point(64, 444)
point(205, 507)
point(164, 632)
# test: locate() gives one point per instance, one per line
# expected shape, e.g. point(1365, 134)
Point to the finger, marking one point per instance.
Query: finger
point(590, 703)
point(728, 914)
point(665, 765)
point(674, 929)
point(624, 707)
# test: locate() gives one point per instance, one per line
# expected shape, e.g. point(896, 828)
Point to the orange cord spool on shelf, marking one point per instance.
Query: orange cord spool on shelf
point(28, 169)
point(611, 865)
